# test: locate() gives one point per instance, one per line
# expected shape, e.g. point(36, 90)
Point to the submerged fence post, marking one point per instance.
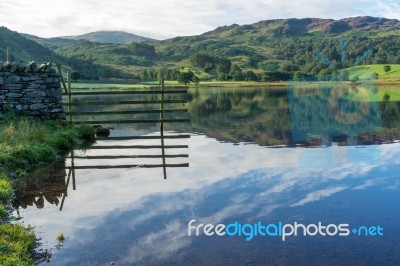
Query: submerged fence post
point(66, 190)
point(162, 127)
point(73, 170)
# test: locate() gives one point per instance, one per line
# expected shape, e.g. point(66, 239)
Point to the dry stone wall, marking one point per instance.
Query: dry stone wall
point(31, 90)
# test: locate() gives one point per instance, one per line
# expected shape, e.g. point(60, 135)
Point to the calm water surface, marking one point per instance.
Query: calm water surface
point(255, 155)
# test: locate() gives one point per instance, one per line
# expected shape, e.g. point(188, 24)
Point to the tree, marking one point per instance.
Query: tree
point(195, 80)
point(162, 73)
point(186, 76)
point(222, 77)
point(144, 75)
point(142, 49)
point(386, 97)
point(237, 73)
point(387, 68)
point(210, 63)
point(223, 66)
point(250, 76)
point(354, 79)
point(75, 76)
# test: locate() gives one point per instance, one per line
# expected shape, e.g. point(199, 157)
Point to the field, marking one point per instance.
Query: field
point(366, 71)
point(154, 84)
point(388, 86)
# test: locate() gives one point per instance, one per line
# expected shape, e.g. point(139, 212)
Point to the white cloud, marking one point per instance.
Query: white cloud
point(318, 195)
point(169, 18)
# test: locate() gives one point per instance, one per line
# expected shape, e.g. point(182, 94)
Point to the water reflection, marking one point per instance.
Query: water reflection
point(52, 183)
point(49, 184)
point(306, 114)
point(132, 216)
point(301, 114)
point(133, 144)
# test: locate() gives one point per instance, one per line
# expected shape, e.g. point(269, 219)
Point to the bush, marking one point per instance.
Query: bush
point(65, 140)
point(3, 212)
point(86, 133)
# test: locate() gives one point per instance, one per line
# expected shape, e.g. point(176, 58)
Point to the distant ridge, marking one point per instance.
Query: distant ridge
point(116, 37)
point(304, 26)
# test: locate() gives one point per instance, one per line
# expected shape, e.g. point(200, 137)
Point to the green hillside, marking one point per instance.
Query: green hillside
point(21, 49)
point(366, 70)
point(267, 50)
point(51, 43)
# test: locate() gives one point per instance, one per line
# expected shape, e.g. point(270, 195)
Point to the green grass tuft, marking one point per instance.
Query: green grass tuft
point(5, 189)
point(15, 243)
point(27, 144)
point(61, 237)
point(86, 133)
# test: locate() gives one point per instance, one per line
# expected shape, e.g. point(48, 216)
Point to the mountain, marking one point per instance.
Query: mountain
point(270, 49)
point(21, 48)
point(51, 43)
point(267, 50)
point(116, 37)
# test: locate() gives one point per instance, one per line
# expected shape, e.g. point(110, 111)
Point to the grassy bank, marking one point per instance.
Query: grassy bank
point(25, 145)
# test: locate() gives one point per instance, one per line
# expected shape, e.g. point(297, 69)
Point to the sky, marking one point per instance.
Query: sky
point(163, 19)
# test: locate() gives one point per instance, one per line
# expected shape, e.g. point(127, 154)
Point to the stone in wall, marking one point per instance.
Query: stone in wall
point(31, 90)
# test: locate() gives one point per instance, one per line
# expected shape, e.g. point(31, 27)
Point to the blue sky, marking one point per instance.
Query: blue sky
point(169, 18)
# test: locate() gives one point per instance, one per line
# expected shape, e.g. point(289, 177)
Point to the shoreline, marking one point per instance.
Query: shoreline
point(214, 84)
point(27, 145)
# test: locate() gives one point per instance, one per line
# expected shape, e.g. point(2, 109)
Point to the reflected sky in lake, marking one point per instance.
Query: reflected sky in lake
point(135, 217)
point(245, 166)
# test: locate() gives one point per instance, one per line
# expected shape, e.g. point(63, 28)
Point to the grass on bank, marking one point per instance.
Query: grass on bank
point(15, 243)
point(24, 145)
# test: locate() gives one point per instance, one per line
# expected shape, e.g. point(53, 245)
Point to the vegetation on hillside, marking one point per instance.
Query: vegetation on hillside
point(265, 51)
point(22, 49)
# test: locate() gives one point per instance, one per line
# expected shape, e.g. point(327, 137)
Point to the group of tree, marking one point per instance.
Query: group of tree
point(183, 75)
point(149, 74)
point(88, 70)
point(142, 49)
point(211, 64)
point(313, 55)
point(186, 75)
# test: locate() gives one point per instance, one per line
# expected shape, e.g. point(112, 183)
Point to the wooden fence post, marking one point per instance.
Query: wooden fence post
point(69, 96)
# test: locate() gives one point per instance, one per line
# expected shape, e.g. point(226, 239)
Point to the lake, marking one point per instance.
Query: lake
point(306, 155)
